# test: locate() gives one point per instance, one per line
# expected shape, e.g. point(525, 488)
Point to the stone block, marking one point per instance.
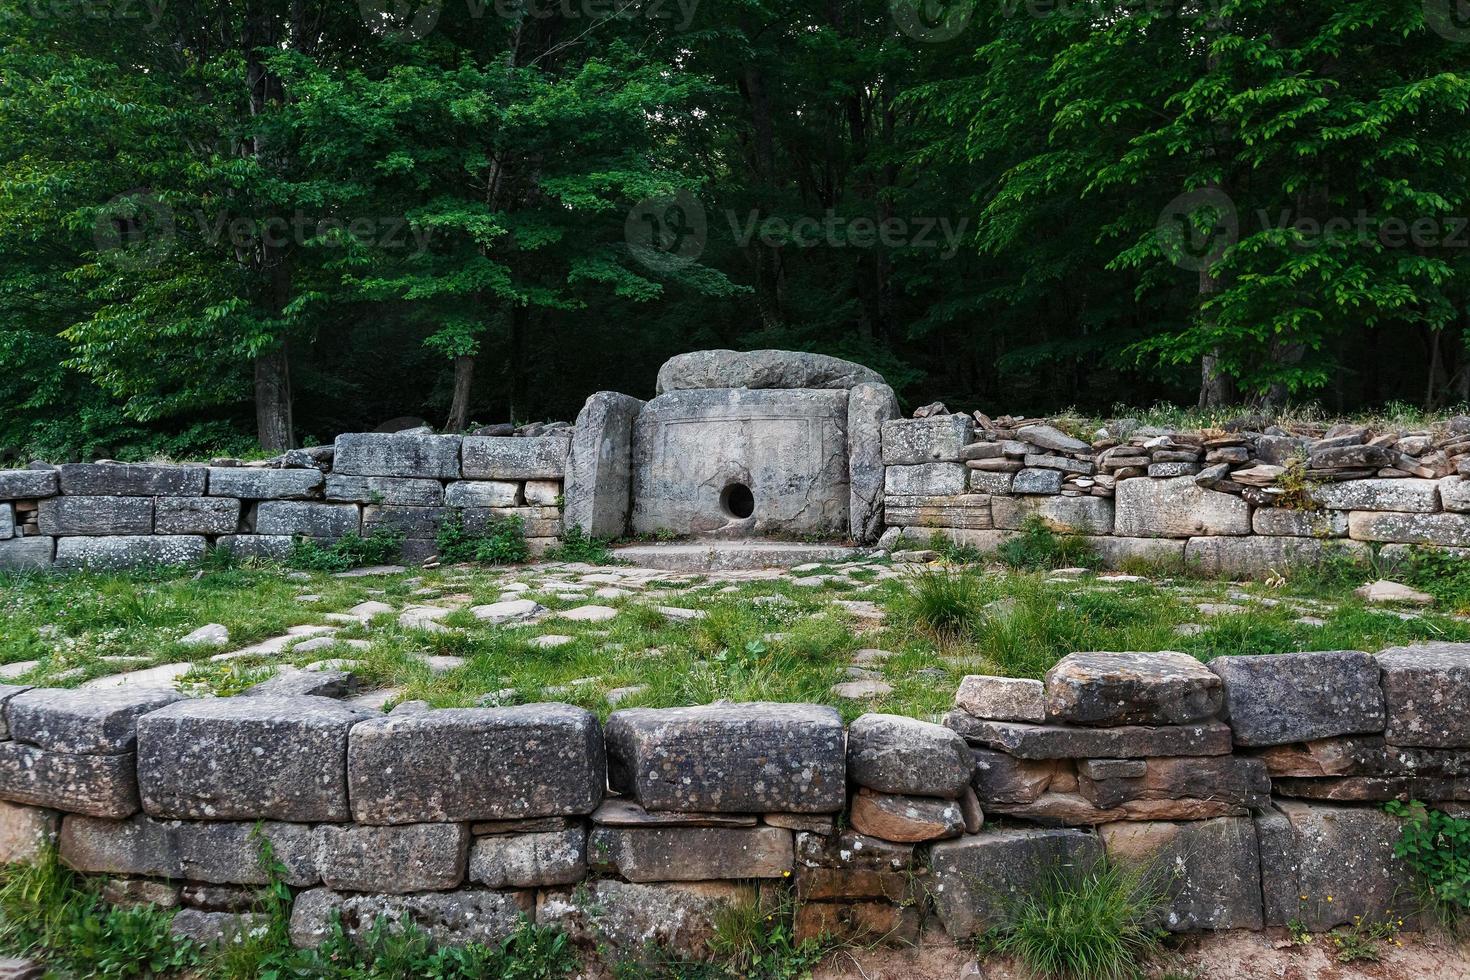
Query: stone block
point(130, 551)
point(27, 484)
point(26, 832)
point(421, 523)
point(1064, 515)
point(97, 785)
point(8, 692)
point(483, 493)
point(219, 928)
point(936, 439)
point(1408, 496)
point(1176, 508)
point(510, 458)
point(690, 853)
point(982, 481)
point(135, 892)
point(543, 493)
point(1300, 697)
point(895, 754)
point(95, 515)
point(1003, 778)
point(454, 918)
point(1454, 494)
point(599, 465)
point(1425, 690)
point(761, 369)
point(280, 758)
point(1002, 698)
point(196, 515)
point(970, 510)
point(530, 860)
point(1255, 556)
point(131, 479)
point(1051, 438)
point(905, 819)
point(139, 846)
point(975, 880)
point(730, 758)
point(7, 521)
point(537, 760)
point(862, 923)
point(1028, 741)
point(1208, 870)
point(392, 860)
point(395, 491)
point(397, 454)
point(313, 520)
point(926, 479)
point(229, 853)
point(1339, 858)
point(1448, 530)
point(1037, 481)
point(733, 460)
point(1121, 552)
point(630, 920)
point(275, 547)
point(259, 483)
point(869, 407)
point(27, 554)
point(1229, 780)
point(1163, 688)
point(1280, 522)
point(91, 722)
point(1374, 789)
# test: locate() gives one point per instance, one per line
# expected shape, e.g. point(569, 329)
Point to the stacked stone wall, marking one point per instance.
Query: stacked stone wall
point(1252, 788)
point(1226, 504)
point(117, 515)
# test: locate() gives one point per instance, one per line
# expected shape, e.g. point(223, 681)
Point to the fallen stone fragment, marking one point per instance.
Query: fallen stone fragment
point(1385, 591)
point(1132, 688)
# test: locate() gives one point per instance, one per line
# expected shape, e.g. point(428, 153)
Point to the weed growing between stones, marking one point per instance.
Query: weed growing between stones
point(751, 941)
point(1100, 925)
point(382, 547)
point(578, 545)
point(503, 542)
point(1038, 548)
point(1437, 846)
point(47, 911)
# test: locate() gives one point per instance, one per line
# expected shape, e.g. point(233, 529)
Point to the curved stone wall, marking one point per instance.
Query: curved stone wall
point(1252, 786)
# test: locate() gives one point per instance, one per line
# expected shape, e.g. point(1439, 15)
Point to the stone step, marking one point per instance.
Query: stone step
point(722, 555)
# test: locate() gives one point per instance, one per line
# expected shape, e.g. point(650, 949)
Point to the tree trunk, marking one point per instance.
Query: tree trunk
point(273, 423)
point(459, 405)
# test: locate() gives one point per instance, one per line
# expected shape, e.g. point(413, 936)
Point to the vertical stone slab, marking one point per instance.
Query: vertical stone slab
point(976, 878)
point(1210, 870)
point(868, 407)
point(599, 471)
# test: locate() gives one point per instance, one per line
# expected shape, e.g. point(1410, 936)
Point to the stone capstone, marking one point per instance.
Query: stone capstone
point(599, 468)
point(269, 757)
point(1163, 688)
point(730, 758)
point(89, 722)
point(27, 484)
point(895, 754)
point(1002, 698)
point(761, 369)
point(259, 483)
point(1425, 689)
point(1300, 697)
point(397, 454)
point(131, 479)
point(535, 760)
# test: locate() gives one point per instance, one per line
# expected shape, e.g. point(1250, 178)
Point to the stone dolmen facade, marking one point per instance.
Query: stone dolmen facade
point(775, 444)
point(1251, 788)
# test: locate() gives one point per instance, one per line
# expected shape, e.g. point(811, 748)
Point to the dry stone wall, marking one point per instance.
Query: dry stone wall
point(116, 515)
point(1251, 787)
point(1226, 503)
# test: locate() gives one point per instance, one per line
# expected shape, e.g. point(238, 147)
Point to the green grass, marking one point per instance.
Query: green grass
point(1096, 925)
point(773, 639)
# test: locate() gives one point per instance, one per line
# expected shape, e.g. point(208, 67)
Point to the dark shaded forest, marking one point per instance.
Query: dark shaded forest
point(267, 221)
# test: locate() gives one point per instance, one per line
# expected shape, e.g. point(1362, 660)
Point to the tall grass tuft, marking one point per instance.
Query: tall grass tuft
point(947, 605)
point(1099, 926)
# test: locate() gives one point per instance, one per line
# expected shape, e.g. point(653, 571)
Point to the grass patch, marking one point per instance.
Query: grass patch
point(1099, 926)
point(579, 546)
point(944, 604)
point(500, 542)
point(1037, 547)
point(382, 547)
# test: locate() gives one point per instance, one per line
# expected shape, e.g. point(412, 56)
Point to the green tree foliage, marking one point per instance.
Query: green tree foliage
point(269, 221)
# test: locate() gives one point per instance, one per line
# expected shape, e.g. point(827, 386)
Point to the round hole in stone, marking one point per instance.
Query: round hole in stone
point(737, 501)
